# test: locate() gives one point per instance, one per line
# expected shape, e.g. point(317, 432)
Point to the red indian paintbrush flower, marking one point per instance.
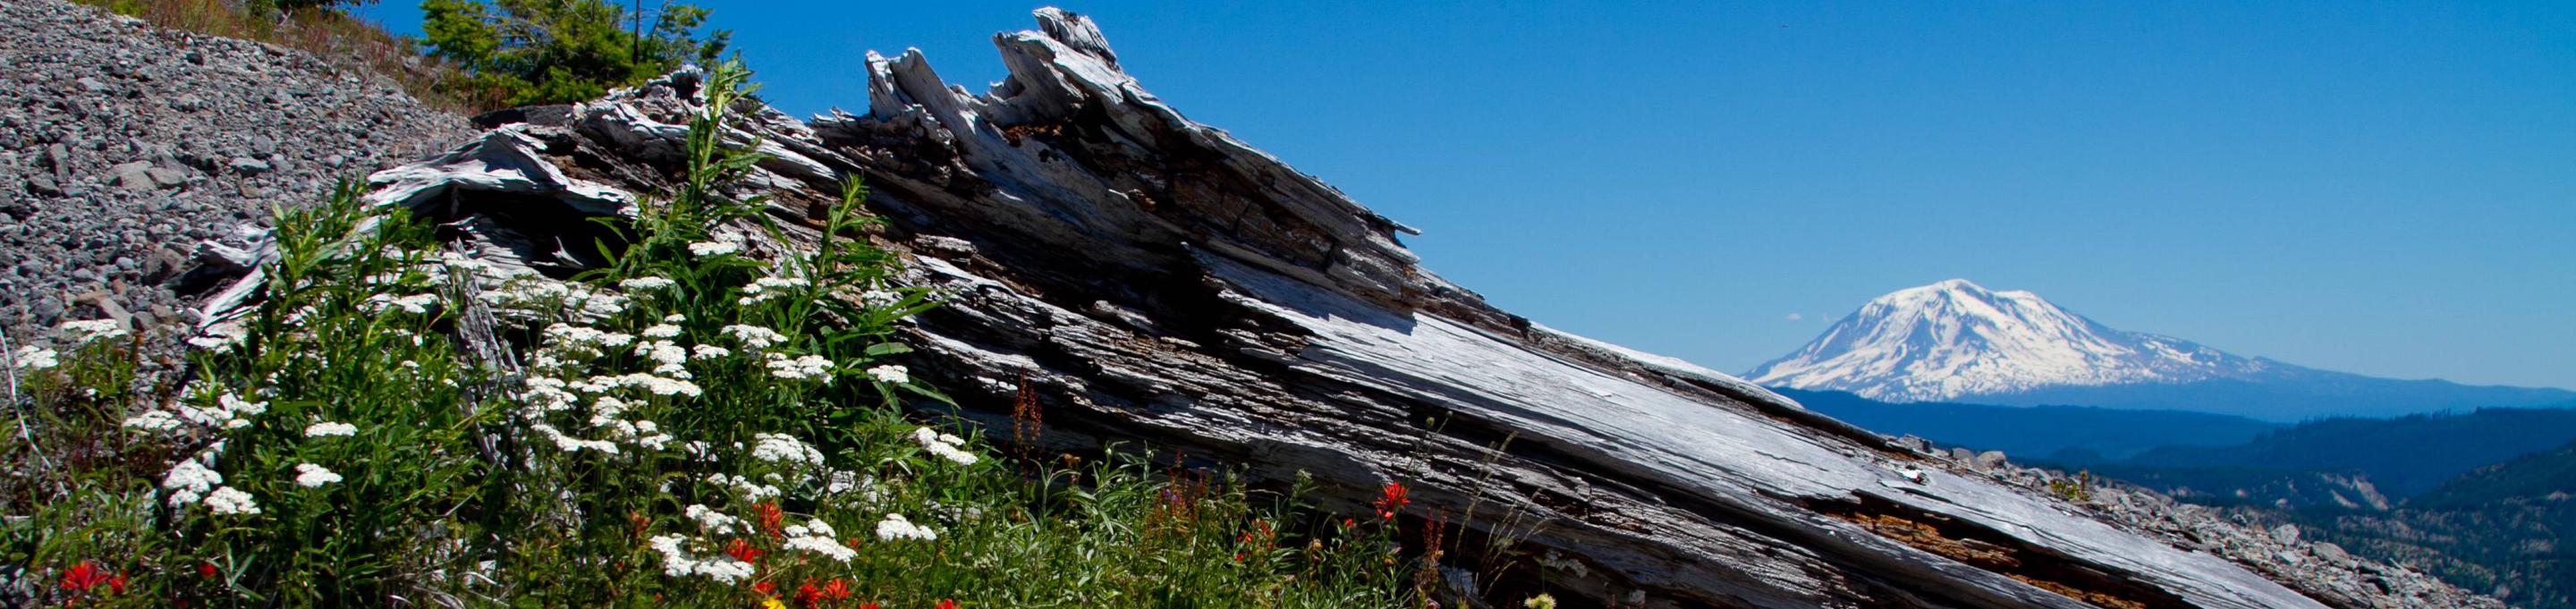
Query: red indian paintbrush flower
point(84, 576)
point(1392, 501)
point(770, 516)
point(742, 551)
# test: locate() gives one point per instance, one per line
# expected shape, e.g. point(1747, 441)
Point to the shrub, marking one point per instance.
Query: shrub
point(557, 51)
point(692, 424)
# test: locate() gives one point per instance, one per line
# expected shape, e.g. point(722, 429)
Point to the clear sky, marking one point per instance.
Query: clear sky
point(2386, 188)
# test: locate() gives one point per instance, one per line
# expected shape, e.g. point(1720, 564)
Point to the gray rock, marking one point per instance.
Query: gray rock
point(1990, 459)
point(90, 99)
point(166, 177)
point(133, 176)
point(2287, 534)
point(247, 166)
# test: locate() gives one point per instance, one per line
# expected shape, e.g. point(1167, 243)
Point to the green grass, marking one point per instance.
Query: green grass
point(691, 424)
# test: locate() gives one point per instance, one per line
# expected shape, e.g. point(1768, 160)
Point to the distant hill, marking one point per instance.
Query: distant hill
point(1956, 341)
point(2497, 530)
point(2403, 457)
point(2078, 433)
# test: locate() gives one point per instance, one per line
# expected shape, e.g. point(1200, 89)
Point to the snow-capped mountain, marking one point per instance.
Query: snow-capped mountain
point(1958, 341)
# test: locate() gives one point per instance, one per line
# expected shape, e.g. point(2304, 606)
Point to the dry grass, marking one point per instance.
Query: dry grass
point(344, 41)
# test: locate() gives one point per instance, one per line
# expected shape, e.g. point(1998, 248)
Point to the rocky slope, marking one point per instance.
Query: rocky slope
point(1154, 279)
point(123, 146)
point(1958, 341)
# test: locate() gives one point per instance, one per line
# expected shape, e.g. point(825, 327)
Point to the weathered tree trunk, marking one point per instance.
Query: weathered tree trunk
point(1156, 280)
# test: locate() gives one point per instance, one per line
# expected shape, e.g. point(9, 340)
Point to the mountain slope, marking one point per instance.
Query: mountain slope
point(2402, 457)
point(2496, 530)
point(1958, 341)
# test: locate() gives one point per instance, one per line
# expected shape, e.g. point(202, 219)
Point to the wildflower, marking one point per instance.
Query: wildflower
point(890, 374)
point(33, 358)
point(771, 602)
point(743, 551)
point(755, 337)
point(808, 367)
point(662, 331)
point(712, 521)
point(707, 352)
point(156, 420)
point(229, 501)
point(711, 249)
point(88, 331)
point(327, 429)
point(879, 298)
point(189, 481)
point(238, 411)
point(783, 448)
point(823, 545)
point(765, 288)
point(1542, 601)
point(769, 516)
point(84, 576)
point(895, 527)
point(765, 587)
point(668, 357)
point(207, 570)
point(944, 445)
point(677, 562)
point(947, 603)
point(646, 283)
point(308, 475)
point(415, 304)
point(1391, 501)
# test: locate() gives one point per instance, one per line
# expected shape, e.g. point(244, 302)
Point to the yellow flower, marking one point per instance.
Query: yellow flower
point(772, 603)
point(1542, 601)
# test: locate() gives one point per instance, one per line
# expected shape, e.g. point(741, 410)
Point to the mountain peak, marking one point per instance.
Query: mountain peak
point(1955, 338)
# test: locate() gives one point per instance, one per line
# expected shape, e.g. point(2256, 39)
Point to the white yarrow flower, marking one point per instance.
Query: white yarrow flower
point(890, 374)
point(646, 283)
point(327, 429)
point(712, 521)
point(783, 448)
point(879, 298)
point(87, 331)
point(33, 358)
point(944, 446)
point(156, 420)
point(808, 367)
point(189, 481)
point(710, 249)
point(229, 501)
point(755, 337)
point(308, 475)
point(896, 528)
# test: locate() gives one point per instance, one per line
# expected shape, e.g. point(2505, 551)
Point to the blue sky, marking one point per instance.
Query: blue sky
point(2386, 188)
